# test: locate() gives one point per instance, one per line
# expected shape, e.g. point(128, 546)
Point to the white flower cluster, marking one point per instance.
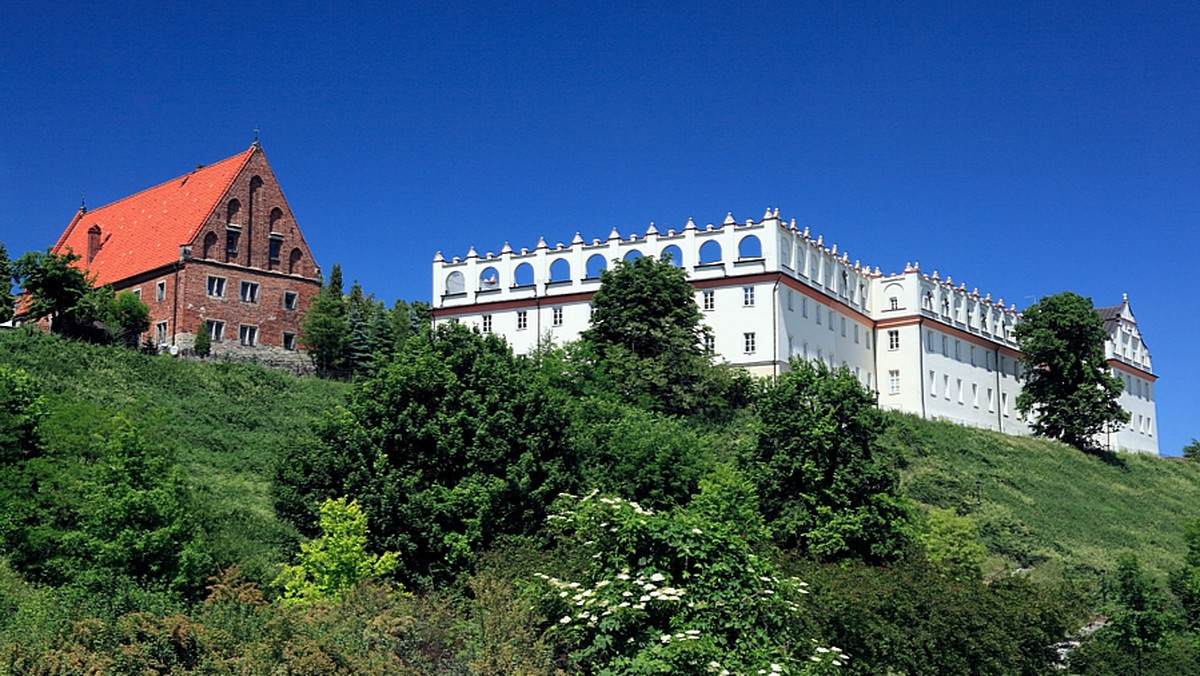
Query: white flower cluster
point(630, 592)
point(833, 655)
point(687, 635)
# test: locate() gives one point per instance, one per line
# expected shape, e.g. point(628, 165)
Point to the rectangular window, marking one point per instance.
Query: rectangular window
point(486, 324)
point(790, 301)
point(216, 287)
point(831, 319)
point(958, 350)
point(231, 242)
point(818, 314)
point(868, 337)
point(216, 330)
point(249, 292)
point(710, 343)
point(972, 355)
point(946, 387)
point(710, 300)
point(960, 391)
point(791, 346)
point(945, 350)
point(160, 291)
point(289, 300)
point(1004, 403)
point(160, 333)
point(932, 384)
point(522, 320)
point(248, 335)
point(750, 344)
point(137, 293)
point(991, 401)
point(556, 316)
point(804, 307)
point(929, 341)
point(893, 339)
point(856, 333)
point(273, 252)
point(975, 395)
point(894, 381)
point(843, 327)
point(289, 340)
point(748, 296)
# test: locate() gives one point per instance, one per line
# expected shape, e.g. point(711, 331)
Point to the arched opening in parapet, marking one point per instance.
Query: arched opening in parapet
point(750, 247)
point(673, 254)
point(596, 265)
point(455, 283)
point(489, 279)
point(523, 275)
point(560, 271)
point(633, 255)
point(710, 252)
point(785, 255)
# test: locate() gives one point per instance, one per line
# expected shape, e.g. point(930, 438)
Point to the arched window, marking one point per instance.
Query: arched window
point(560, 271)
point(927, 303)
point(210, 243)
point(710, 252)
point(785, 255)
point(523, 276)
point(595, 265)
point(633, 255)
point(489, 279)
point(294, 262)
point(750, 247)
point(233, 213)
point(673, 254)
point(455, 283)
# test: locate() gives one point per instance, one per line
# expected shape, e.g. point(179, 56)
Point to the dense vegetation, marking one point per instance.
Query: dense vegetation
point(458, 510)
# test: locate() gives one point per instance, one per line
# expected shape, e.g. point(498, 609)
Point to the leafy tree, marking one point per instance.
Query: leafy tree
point(1138, 629)
point(1192, 450)
point(338, 560)
point(1185, 581)
point(1067, 387)
point(646, 338)
point(127, 318)
point(952, 545)
point(825, 486)
point(203, 344)
point(21, 408)
point(7, 301)
point(54, 288)
point(324, 326)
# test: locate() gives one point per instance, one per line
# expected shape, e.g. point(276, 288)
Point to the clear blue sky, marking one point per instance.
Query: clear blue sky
point(1023, 148)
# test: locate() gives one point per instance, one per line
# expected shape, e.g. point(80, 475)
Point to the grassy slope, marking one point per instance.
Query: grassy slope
point(1046, 504)
point(228, 420)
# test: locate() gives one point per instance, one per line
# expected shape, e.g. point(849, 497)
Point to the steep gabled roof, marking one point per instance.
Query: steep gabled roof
point(144, 231)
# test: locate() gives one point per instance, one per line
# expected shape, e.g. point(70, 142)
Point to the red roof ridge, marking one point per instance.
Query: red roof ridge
point(67, 233)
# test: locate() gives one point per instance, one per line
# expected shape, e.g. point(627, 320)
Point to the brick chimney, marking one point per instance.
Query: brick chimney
point(93, 242)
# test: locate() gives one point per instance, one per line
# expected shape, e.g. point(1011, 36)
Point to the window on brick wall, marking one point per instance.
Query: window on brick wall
point(273, 252)
point(289, 300)
point(160, 333)
point(216, 287)
point(248, 335)
point(249, 292)
point(160, 291)
point(216, 330)
point(289, 340)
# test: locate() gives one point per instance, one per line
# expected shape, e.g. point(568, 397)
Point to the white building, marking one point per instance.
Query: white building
point(770, 292)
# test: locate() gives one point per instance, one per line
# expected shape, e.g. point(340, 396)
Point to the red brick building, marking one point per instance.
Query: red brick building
point(216, 248)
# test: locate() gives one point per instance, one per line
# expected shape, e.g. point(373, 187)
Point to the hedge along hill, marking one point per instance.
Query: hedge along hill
point(228, 422)
point(1046, 505)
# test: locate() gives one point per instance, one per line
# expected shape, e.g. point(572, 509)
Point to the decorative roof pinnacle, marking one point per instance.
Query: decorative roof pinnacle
point(471, 253)
point(691, 225)
point(651, 230)
point(437, 257)
point(767, 215)
point(506, 249)
point(542, 243)
point(614, 234)
point(729, 219)
point(577, 240)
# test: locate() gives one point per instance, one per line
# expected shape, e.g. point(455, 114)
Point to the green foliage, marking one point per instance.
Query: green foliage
point(449, 446)
point(357, 357)
point(1185, 580)
point(21, 409)
point(126, 319)
point(1192, 450)
point(324, 326)
point(673, 593)
point(53, 288)
point(1067, 386)
point(826, 486)
point(203, 343)
point(727, 497)
point(7, 300)
point(337, 561)
point(951, 544)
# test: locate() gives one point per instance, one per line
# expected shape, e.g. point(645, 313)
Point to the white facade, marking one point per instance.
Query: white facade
point(770, 292)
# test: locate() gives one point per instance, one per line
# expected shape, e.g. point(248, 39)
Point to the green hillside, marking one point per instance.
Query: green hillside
point(1045, 505)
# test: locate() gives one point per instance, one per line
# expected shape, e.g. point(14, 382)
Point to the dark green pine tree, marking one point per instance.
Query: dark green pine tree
point(7, 300)
point(380, 334)
point(324, 326)
point(357, 356)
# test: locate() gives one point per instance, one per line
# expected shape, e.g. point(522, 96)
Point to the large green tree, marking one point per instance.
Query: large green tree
point(54, 288)
point(325, 326)
point(646, 341)
point(1068, 388)
point(826, 487)
point(7, 301)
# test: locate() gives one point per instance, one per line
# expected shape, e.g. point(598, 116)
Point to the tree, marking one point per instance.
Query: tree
point(1067, 384)
point(54, 288)
point(203, 344)
point(338, 560)
point(1192, 450)
point(324, 326)
point(127, 318)
point(825, 486)
point(21, 409)
point(7, 301)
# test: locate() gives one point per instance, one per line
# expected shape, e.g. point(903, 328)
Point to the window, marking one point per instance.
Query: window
point(843, 327)
point(946, 387)
point(557, 316)
point(748, 296)
point(160, 333)
point(804, 350)
point(710, 300)
point(958, 350)
point(216, 287)
point(818, 314)
point(276, 244)
point(856, 333)
point(790, 308)
point(289, 340)
point(749, 342)
point(791, 345)
point(972, 355)
point(929, 341)
point(831, 318)
point(894, 340)
point(216, 330)
point(249, 292)
point(137, 293)
point(945, 349)
point(522, 320)
point(289, 300)
point(487, 323)
point(893, 303)
point(804, 307)
point(960, 391)
point(1004, 403)
point(231, 241)
point(160, 291)
point(868, 340)
point(932, 384)
point(248, 335)
point(975, 395)
point(991, 401)
point(710, 344)
point(894, 381)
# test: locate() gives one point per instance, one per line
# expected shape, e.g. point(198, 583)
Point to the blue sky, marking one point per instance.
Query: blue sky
point(1023, 148)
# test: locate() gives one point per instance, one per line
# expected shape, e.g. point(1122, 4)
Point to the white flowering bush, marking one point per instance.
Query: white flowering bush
point(674, 593)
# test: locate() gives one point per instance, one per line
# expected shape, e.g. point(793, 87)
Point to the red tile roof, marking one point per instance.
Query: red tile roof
point(144, 231)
